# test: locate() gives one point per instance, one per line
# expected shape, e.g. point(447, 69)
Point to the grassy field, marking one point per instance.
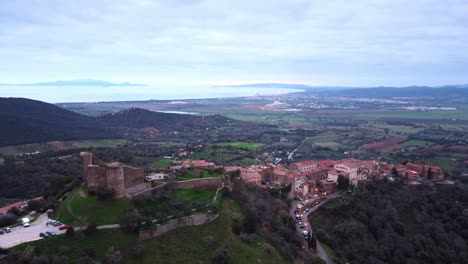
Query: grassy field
point(61, 145)
point(184, 245)
point(161, 163)
point(436, 114)
point(243, 145)
point(95, 211)
point(417, 143)
point(194, 196)
point(190, 174)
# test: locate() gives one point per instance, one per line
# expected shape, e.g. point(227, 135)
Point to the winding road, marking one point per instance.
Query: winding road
point(320, 251)
point(290, 156)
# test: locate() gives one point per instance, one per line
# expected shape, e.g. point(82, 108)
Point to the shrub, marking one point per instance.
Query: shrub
point(104, 193)
point(138, 250)
point(70, 232)
point(113, 256)
point(208, 241)
point(221, 256)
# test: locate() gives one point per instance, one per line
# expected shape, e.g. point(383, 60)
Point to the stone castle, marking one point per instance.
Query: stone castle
point(124, 180)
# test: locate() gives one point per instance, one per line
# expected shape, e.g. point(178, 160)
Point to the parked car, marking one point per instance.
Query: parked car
point(2, 232)
point(63, 227)
point(305, 233)
point(50, 233)
point(306, 210)
point(296, 212)
point(298, 217)
point(300, 222)
point(7, 230)
point(43, 234)
point(302, 226)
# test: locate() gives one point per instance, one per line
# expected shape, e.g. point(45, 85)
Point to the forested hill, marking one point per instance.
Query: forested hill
point(28, 121)
point(141, 118)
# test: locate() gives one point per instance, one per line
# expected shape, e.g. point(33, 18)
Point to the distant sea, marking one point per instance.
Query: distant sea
point(68, 94)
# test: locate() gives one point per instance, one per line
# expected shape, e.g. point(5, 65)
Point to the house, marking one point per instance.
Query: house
point(349, 168)
point(251, 174)
point(282, 176)
point(304, 165)
point(203, 164)
point(156, 177)
point(332, 175)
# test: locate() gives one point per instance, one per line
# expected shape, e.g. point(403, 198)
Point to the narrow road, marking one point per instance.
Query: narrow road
point(320, 251)
point(290, 156)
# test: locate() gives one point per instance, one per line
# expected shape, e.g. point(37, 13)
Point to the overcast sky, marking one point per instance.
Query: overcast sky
point(327, 42)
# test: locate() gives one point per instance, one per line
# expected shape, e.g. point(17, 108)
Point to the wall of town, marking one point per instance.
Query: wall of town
point(194, 220)
point(204, 183)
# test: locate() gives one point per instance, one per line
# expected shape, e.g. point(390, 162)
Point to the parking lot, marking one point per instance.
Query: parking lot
point(22, 234)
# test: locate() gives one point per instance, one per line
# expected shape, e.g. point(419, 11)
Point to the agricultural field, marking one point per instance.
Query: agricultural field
point(242, 145)
point(384, 146)
point(417, 143)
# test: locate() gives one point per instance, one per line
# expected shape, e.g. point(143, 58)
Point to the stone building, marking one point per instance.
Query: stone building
point(124, 180)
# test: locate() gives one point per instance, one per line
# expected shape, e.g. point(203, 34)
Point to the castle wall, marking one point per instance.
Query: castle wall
point(115, 180)
point(133, 176)
point(194, 220)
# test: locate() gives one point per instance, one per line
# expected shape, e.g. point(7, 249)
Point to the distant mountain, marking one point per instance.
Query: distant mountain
point(28, 121)
point(77, 83)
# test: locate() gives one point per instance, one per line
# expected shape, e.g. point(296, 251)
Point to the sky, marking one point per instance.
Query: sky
point(184, 42)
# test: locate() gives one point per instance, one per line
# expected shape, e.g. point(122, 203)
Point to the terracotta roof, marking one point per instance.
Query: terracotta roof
point(304, 163)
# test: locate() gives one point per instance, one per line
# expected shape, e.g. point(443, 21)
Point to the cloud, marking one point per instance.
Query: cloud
point(317, 42)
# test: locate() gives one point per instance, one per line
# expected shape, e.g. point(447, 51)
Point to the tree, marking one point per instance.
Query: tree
point(130, 222)
point(343, 182)
point(70, 232)
point(37, 205)
point(221, 256)
point(90, 229)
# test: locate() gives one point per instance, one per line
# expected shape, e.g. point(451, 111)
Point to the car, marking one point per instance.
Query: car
point(56, 223)
point(302, 226)
point(299, 206)
point(305, 233)
point(50, 233)
point(302, 204)
point(298, 217)
point(2, 232)
point(63, 227)
point(43, 234)
point(300, 222)
point(306, 210)
point(7, 230)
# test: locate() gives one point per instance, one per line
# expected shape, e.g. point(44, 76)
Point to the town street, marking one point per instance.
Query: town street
point(20, 234)
point(320, 252)
point(290, 156)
